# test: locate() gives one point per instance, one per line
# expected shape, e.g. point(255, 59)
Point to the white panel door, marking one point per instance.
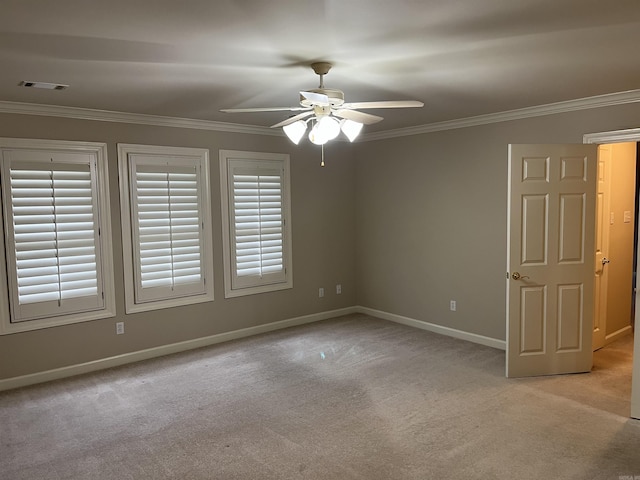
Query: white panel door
point(550, 259)
point(603, 213)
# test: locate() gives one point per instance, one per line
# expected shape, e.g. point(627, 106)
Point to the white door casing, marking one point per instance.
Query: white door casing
point(628, 135)
point(550, 261)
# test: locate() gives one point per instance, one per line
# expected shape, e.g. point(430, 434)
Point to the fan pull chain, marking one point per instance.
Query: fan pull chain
point(322, 148)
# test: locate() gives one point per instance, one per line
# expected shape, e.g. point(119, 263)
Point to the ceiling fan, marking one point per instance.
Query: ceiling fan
point(328, 112)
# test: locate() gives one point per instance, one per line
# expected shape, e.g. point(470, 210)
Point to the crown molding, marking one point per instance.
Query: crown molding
point(615, 136)
point(598, 101)
point(137, 118)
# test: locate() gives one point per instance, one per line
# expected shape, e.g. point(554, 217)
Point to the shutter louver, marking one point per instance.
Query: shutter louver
point(55, 239)
point(167, 216)
point(258, 226)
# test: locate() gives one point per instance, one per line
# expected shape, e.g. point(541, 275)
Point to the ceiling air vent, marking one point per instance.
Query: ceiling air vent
point(45, 85)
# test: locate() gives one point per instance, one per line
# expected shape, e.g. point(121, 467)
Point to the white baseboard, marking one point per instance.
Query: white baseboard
point(116, 361)
point(432, 327)
point(612, 337)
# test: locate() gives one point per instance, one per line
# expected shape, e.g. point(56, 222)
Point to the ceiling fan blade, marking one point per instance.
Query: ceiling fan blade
point(365, 118)
point(389, 104)
point(265, 109)
point(293, 119)
point(316, 98)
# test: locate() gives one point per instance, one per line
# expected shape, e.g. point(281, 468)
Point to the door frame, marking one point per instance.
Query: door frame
point(619, 136)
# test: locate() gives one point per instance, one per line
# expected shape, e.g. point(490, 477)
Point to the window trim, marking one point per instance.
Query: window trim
point(104, 224)
point(199, 155)
point(226, 157)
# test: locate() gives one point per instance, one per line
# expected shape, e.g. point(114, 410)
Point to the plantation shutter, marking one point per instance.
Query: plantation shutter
point(53, 231)
point(257, 225)
point(168, 230)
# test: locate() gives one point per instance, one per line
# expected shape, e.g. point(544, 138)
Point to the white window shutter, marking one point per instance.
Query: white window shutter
point(166, 231)
point(55, 236)
point(169, 231)
point(258, 224)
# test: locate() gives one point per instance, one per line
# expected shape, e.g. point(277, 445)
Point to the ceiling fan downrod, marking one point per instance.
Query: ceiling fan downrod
point(321, 69)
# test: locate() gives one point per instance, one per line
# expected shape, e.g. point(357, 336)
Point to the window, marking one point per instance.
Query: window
point(256, 225)
point(166, 226)
point(58, 259)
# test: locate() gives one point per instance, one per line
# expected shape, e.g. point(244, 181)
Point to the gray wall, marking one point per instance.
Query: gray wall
point(323, 234)
point(431, 216)
point(404, 224)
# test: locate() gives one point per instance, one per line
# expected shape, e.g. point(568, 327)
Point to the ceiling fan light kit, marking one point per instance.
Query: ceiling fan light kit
point(323, 130)
point(328, 112)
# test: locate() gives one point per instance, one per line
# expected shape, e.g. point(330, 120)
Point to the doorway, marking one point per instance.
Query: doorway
point(616, 218)
point(630, 135)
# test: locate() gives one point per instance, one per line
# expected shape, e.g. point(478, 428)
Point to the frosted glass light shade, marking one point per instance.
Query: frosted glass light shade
point(351, 129)
point(295, 130)
point(316, 137)
point(329, 127)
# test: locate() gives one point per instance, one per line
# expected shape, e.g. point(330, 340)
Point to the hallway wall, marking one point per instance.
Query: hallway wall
point(621, 233)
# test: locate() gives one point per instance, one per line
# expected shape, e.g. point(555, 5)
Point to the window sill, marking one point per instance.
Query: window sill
point(6, 327)
point(241, 292)
point(169, 303)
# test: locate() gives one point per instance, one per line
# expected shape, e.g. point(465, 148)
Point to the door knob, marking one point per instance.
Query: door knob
point(517, 276)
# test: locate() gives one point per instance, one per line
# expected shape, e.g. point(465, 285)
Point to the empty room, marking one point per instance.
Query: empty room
point(293, 239)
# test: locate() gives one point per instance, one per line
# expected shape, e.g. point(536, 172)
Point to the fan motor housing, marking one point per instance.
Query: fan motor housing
point(336, 97)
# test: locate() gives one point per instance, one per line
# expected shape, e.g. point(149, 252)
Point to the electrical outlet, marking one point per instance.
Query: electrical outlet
point(338, 289)
point(452, 305)
point(321, 292)
point(119, 328)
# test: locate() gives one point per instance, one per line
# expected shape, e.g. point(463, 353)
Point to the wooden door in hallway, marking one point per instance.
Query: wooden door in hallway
point(602, 246)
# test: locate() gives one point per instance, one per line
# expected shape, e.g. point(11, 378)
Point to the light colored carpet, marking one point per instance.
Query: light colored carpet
point(349, 398)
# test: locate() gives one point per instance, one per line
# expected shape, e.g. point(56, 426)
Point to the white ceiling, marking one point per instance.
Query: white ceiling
point(190, 58)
